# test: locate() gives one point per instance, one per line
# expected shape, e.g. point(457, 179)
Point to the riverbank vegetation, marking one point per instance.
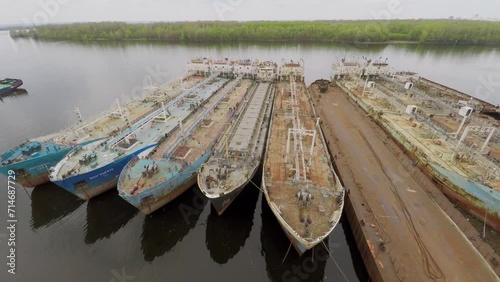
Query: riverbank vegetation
point(421, 31)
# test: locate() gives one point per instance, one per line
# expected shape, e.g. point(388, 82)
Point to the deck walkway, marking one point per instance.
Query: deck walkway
point(402, 232)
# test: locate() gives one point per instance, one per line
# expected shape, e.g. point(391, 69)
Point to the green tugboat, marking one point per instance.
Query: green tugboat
point(9, 84)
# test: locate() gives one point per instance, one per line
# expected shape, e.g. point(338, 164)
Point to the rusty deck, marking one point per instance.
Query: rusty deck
point(401, 231)
point(315, 219)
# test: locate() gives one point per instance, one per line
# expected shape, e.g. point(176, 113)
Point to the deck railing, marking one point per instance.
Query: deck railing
point(198, 120)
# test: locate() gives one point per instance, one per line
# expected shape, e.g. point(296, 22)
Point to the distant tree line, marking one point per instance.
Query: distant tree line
point(423, 31)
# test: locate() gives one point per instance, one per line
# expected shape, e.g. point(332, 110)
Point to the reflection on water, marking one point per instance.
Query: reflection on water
point(440, 50)
point(308, 267)
point(106, 214)
point(357, 260)
point(50, 203)
point(223, 45)
point(163, 229)
point(13, 94)
point(312, 265)
point(341, 49)
point(227, 234)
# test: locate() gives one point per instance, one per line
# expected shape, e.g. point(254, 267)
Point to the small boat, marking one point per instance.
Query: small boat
point(9, 84)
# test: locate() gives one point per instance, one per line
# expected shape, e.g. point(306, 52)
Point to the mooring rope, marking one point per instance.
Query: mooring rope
point(289, 247)
point(27, 192)
point(343, 274)
point(256, 186)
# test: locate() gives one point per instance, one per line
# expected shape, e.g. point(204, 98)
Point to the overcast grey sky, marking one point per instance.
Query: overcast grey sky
point(53, 11)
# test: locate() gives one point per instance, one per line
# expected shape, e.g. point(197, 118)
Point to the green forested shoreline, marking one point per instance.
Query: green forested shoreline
point(422, 31)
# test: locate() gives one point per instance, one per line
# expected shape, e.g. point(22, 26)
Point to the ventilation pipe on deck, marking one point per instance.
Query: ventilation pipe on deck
point(164, 110)
point(78, 114)
point(488, 139)
point(120, 109)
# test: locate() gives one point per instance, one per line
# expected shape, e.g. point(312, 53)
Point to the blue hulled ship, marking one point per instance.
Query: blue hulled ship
point(90, 170)
point(31, 161)
point(150, 183)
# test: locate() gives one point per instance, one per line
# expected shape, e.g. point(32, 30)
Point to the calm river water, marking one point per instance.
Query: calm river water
point(60, 238)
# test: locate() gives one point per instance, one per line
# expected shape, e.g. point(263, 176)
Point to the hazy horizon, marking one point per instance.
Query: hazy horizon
point(141, 11)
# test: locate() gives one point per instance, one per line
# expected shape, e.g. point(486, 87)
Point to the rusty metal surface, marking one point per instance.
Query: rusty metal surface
point(408, 236)
point(312, 220)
